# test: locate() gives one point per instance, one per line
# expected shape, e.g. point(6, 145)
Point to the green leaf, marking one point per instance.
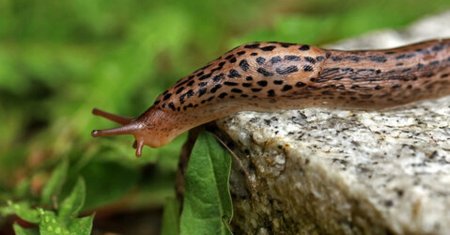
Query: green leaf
point(82, 226)
point(55, 183)
point(74, 202)
point(171, 217)
point(23, 231)
point(23, 210)
point(207, 207)
point(50, 225)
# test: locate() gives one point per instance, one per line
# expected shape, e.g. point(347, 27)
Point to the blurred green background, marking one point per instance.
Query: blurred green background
point(59, 59)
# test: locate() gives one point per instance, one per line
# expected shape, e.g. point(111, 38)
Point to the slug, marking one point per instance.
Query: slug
point(270, 76)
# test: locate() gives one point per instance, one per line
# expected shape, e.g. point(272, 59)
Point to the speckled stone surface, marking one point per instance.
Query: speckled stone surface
point(322, 171)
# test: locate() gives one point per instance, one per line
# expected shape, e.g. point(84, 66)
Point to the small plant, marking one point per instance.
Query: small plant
point(63, 219)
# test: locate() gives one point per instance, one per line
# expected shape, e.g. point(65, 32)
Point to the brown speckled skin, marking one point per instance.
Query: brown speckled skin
point(273, 76)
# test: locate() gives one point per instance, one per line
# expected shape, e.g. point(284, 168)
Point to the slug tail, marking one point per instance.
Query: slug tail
point(112, 117)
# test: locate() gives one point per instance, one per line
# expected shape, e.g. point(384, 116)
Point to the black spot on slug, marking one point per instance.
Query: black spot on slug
point(300, 84)
point(353, 58)
point(222, 95)
point(189, 93)
point(347, 70)
point(262, 83)
point(268, 48)
point(271, 93)
point(292, 58)
point(256, 89)
point(182, 98)
point(260, 60)
point(286, 87)
point(310, 59)
point(200, 73)
point(286, 44)
point(275, 59)
point(278, 82)
point(190, 83)
point(167, 96)
point(172, 106)
point(308, 68)
point(405, 56)
point(233, 74)
point(201, 91)
point(232, 59)
point(252, 46)
point(244, 65)
point(378, 59)
point(264, 72)
point(215, 88)
point(230, 83)
point(288, 70)
point(236, 90)
point(229, 56)
point(179, 90)
point(437, 48)
point(336, 58)
point(218, 77)
point(206, 76)
point(304, 48)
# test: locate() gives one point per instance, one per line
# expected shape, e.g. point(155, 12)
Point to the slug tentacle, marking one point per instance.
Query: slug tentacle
point(128, 129)
point(273, 76)
point(112, 117)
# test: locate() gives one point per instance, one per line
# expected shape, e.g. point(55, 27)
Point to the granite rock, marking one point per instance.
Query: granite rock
point(324, 171)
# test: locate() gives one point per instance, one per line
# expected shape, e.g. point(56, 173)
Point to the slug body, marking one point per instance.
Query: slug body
point(274, 76)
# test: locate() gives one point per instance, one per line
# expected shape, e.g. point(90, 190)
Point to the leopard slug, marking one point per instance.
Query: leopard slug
point(274, 76)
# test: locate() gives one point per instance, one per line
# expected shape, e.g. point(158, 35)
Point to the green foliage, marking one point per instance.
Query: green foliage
point(207, 207)
point(65, 221)
point(22, 231)
point(171, 217)
point(55, 183)
point(59, 59)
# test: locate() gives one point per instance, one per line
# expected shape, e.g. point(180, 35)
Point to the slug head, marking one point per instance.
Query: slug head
point(142, 128)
